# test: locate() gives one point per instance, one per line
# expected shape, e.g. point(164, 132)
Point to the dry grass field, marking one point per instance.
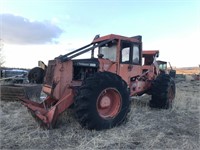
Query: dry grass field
point(192, 70)
point(146, 128)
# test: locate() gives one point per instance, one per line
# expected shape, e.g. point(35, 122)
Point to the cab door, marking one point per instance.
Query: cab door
point(130, 60)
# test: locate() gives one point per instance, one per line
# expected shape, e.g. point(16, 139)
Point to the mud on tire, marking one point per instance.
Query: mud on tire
point(102, 101)
point(163, 92)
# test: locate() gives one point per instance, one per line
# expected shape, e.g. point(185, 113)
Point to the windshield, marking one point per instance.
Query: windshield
point(109, 52)
point(163, 66)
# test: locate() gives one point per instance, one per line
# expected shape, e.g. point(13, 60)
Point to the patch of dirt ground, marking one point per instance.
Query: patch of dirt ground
point(145, 128)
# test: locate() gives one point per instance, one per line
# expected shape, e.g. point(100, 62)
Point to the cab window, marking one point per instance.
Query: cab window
point(136, 54)
point(125, 52)
point(109, 52)
point(125, 55)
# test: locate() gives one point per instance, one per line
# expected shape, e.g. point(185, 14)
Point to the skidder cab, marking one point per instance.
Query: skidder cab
point(100, 86)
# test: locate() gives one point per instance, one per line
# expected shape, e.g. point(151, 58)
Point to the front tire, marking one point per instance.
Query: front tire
point(163, 92)
point(102, 101)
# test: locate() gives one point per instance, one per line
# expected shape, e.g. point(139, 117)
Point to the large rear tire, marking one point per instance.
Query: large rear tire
point(163, 92)
point(102, 101)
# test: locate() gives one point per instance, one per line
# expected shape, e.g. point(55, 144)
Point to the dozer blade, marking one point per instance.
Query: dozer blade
point(48, 111)
point(40, 111)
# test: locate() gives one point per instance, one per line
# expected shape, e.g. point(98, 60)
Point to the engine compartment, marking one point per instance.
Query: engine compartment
point(83, 68)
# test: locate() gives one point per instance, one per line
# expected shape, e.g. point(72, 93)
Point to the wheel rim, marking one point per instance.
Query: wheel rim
point(109, 103)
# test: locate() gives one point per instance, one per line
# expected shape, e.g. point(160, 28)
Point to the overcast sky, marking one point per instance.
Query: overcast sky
point(34, 30)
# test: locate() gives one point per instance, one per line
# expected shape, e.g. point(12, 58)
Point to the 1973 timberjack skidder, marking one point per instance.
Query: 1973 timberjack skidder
point(100, 88)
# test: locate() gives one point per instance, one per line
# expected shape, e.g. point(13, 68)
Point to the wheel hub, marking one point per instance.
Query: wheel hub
point(109, 103)
point(105, 102)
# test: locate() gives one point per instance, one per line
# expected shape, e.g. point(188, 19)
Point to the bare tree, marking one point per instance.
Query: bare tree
point(1, 55)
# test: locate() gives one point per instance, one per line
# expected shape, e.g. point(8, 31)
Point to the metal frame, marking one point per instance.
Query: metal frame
point(82, 50)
